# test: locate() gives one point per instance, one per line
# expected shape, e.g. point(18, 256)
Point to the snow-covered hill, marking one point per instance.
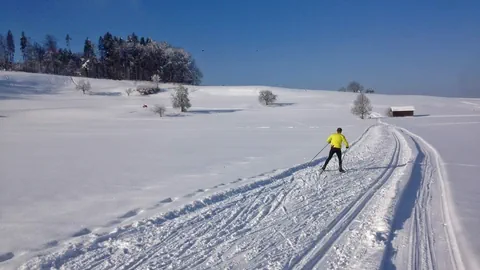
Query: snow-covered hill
point(97, 182)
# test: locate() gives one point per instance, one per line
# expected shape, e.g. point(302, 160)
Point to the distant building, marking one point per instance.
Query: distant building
point(402, 111)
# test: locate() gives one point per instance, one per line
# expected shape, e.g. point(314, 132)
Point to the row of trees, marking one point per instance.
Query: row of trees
point(112, 57)
point(362, 106)
point(356, 87)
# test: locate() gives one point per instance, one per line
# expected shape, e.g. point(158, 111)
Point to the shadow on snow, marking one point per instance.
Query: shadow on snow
point(404, 209)
point(213, 111)
point(108, 94)
point(281, 104)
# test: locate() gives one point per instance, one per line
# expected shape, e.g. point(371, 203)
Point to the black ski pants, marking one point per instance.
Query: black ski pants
point(333, 151)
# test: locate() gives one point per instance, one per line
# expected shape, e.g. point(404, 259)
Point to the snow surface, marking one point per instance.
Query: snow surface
point(97, 182)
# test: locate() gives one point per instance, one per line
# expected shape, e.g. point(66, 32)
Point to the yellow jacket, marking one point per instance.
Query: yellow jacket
point(336, 140)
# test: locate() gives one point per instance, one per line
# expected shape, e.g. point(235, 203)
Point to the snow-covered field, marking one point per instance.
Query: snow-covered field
point(98, 182)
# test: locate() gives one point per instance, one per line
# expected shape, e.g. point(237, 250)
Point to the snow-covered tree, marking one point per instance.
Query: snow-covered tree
point(160, 110)
point(71, 68)
point(180, 98)
point(388, 112)
point(266, 97)
point(156, 79)
point(132, 58)
point(361, 106)
point(84, 86)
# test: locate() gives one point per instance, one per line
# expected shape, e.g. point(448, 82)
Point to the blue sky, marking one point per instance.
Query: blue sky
point(419, 47)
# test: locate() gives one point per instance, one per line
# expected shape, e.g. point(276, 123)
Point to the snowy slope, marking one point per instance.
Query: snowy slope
point(96, 181)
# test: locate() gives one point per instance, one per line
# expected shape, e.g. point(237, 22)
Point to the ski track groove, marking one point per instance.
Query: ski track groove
point(289, 220)
point(242, 217)
point(335, 229)
point(421, 243)
point(153, 251)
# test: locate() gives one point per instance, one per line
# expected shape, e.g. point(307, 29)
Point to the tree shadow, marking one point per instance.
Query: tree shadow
point(408, 116)
point(10, 91)
point(11, 88)
point(107, 94)
point(214, 111)
point(281, 104)
point(12, 97)
point(175, 115)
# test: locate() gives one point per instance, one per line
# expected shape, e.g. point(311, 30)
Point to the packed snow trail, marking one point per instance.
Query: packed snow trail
point(297, 219)
point(424, 212)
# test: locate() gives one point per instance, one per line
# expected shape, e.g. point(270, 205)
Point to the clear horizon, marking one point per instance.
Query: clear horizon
point(428, 48)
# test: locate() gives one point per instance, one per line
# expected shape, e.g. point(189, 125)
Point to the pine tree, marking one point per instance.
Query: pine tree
point(101, 49)
point(50, 43)
point(133, 38)
point(135, 57)
point(38, 56)
point(3, 52)
point(88, 49)
point(10, 49)
point(23, 46)
point(67, 40)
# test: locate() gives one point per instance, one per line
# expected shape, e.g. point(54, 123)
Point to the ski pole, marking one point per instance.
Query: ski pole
point(344, 154)
point(318, 153)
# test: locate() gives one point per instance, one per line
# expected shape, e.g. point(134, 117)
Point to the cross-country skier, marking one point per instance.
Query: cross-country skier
point(336, 140)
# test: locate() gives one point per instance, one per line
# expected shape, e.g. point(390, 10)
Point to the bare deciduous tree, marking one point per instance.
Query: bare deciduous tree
point(266, 97)
point(129, 91)
point(180, 98)
point(83, 85)
point(361, 106)
point(160, 110)
point(355, 87)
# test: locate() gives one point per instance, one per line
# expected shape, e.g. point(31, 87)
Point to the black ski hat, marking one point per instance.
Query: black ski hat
point(339, 130)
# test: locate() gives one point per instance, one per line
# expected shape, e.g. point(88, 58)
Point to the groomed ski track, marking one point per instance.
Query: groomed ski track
point(378, 215)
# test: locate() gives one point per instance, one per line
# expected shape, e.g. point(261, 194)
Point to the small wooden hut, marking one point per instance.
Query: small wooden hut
point(400, 111)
